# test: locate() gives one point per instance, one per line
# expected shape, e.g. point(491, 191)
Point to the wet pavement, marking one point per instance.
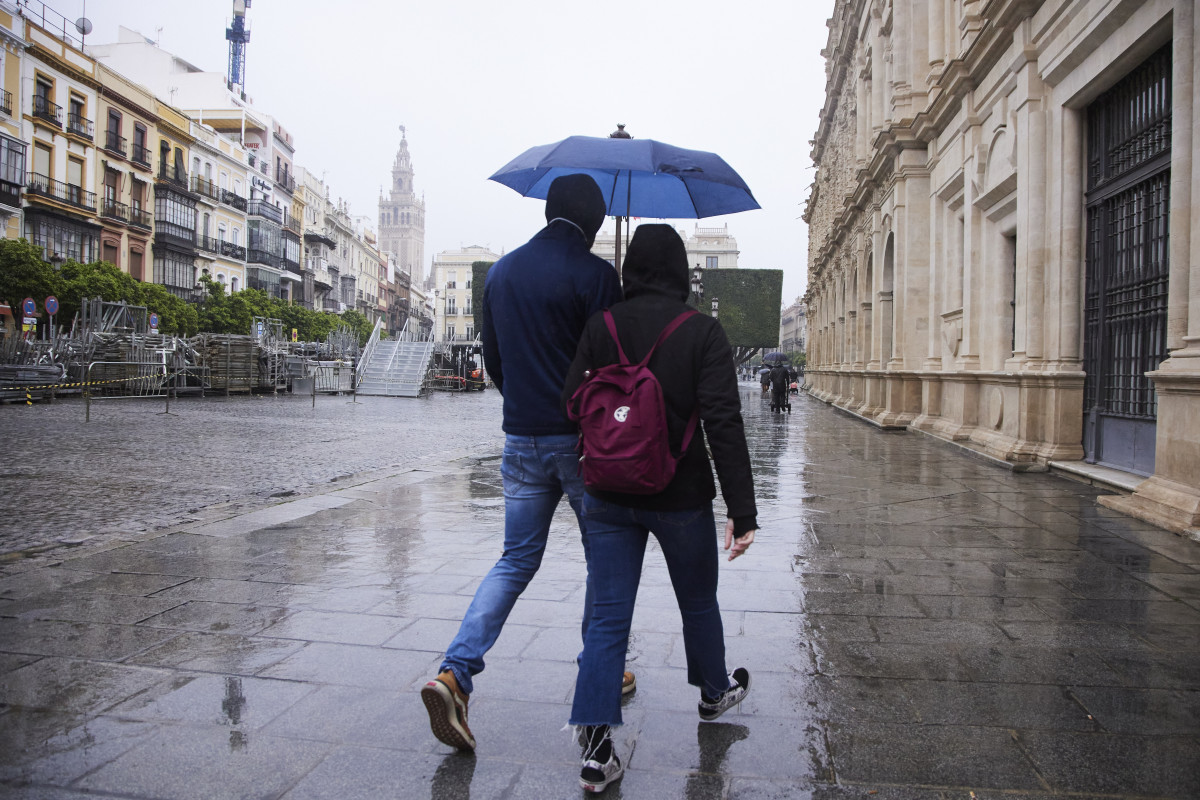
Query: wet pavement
point(918, 623)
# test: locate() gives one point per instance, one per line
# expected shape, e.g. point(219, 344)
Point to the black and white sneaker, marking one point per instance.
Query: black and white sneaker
point(739, 687)
point(600, 763)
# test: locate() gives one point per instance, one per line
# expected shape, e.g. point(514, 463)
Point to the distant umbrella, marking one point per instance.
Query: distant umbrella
point(775, 358)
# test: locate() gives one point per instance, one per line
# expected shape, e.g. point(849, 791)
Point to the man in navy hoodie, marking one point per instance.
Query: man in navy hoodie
point(536, 300)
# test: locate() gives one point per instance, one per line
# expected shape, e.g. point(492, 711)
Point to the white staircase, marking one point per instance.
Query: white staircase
point(395, 368)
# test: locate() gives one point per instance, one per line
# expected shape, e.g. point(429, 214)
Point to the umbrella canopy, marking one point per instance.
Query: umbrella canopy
point(639, 177)
point(775, 358)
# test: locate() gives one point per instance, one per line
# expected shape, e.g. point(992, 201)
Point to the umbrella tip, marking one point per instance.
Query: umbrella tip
point(620, 132)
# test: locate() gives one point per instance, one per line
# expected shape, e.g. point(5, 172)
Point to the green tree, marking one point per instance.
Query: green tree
point(23, 273)
point(747, 307)
point(358, 323)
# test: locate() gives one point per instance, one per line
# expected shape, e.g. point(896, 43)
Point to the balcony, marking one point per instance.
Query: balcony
point(42, 186)
point(44, 110)
point(6, 102)
point(79, 125)
point(175, 177)
point(332, 304)
point(284, 179)
point(114, 143)
point(256, 256)
point(261, 208)
point(234, 251)
point(291, 223)
point(208, 244)
point(10, 193)
point(140, 217)
point(233, 200)
point(140, 155)
point(113, 210)
point(205, 187)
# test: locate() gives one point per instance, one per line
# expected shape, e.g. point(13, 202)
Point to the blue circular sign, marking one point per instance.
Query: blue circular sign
point(29, 306)
point(153, 320)
point(51, 305)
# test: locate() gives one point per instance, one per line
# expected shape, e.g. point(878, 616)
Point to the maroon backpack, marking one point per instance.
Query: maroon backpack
point(623, 444)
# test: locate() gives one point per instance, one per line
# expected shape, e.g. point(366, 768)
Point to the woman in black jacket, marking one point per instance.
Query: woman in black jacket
point(695, 368)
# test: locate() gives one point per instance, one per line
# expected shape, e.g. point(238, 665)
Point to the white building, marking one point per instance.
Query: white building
point(708, 247)
point(452, 281)
point(1004, 235)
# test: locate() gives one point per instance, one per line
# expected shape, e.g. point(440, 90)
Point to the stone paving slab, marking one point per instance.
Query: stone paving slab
point(920, 625)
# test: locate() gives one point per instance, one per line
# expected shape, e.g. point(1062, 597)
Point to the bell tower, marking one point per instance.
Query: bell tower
point(402, 216)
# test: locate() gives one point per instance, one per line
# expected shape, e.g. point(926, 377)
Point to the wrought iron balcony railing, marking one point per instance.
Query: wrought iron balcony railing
point(6, 101)
point(140, 155)
point(233, 200)
point(204, 186)
point(175, 177)
point(262, 208)
point(114, 143)
point(291, 223)
point(256, 256)
point(66, 192)
point(114, 210)
point(79, 125)
point(231, 250)
point(141, 217)
point(208, 244)
point(45, 110)
point(285, 180)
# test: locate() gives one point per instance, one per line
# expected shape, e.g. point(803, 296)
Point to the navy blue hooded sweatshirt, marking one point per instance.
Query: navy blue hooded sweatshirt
point(536, 301)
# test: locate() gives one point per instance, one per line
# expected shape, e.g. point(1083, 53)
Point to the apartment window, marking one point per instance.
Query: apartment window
point(237, 236)
point(41, 160)
point(174, 269)
point(196, 167)
point(140, 153)
point(204, 224)
point(180, 172)
point(450, 332)
point(470, 332)
point(710, 262)
point(450, 306)
point(221, 232)
point(111, 178)
point(137, 195)
point(137, 267)
point(75, 181)
point(176, 215)
point(114, 123)
point(12, 161)
point(43, 89)
point(224, 181)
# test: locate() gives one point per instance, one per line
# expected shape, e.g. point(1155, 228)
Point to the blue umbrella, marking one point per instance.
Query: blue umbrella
point(639, 177)
point(775, 358)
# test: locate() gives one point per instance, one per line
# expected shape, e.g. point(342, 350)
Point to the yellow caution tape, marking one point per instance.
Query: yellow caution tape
point(34, 386)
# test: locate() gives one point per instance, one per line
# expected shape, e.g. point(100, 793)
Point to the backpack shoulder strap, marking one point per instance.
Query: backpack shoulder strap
point(612, 330)
point(667, 331)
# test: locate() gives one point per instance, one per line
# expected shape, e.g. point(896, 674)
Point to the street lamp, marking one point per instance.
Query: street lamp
point(714, 307)
point(697, 285)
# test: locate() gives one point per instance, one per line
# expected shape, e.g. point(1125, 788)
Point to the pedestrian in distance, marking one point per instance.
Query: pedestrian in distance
point(536, 301)
point(692, 365)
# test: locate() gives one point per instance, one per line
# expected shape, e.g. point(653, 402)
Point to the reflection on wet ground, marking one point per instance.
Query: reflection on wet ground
point(919, 624)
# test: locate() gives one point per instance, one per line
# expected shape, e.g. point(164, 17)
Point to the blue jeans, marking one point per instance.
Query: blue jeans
point(537, 472)
point(614, 541)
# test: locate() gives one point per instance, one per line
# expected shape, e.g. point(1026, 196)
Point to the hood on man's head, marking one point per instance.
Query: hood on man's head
point(577, 198)
point(656, 263)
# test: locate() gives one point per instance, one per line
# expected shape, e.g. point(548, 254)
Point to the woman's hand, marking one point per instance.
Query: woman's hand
point(739, 544)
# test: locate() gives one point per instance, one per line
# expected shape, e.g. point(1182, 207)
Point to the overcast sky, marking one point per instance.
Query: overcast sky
point(475, 83)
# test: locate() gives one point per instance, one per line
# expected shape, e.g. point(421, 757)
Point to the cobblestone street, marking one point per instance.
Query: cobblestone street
point(133, 468)
point(919, 624)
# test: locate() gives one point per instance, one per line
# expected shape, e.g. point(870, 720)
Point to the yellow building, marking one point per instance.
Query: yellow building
point(59, 88)
point(124, 172)
point(12, 147)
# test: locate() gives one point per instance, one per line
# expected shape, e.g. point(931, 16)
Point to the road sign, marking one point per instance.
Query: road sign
point(154, 321)
point(29, 306)
point(51, 305)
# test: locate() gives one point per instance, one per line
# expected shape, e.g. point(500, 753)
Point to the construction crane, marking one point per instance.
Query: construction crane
point(238, 35)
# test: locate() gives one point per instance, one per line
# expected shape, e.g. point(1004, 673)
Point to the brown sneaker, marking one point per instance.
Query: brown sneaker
point(628, 684)
point(447, 707)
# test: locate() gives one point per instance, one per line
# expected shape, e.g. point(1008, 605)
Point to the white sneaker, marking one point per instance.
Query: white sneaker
point(600, 763)
point(739, 686)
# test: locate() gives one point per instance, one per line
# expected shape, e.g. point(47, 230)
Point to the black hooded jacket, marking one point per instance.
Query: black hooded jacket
point(695, 368)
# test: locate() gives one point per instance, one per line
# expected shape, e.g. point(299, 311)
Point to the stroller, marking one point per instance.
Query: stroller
point(780, 399)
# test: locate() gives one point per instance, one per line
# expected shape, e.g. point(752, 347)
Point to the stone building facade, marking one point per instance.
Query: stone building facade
point(402, 216)
point(1004, 234)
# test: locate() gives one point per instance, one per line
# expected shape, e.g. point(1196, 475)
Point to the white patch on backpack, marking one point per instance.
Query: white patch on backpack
point(621, 413)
